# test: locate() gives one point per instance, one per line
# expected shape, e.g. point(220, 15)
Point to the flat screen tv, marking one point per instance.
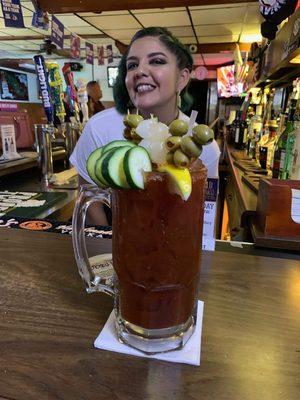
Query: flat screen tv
point(226, 82)
point(112, 73)
point(13, 85)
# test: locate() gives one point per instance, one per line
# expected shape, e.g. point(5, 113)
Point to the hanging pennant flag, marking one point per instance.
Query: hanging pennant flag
point(12, 13)
point(89, 51)
point(109, 51)
point(40, 19)
point(100, 55)
point(75, 45)
point(57, 32)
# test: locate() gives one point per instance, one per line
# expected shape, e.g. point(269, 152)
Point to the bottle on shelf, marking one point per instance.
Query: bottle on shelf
point(255, 123)
point(295, 166)
point(291, 134)
point(267, 149)
point(230, 126)
point(251, 144)
point(278, 170)
point(239, 131)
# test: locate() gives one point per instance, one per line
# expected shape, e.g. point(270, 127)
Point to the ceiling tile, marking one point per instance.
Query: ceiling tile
point(86, 30)
point(166, 19)
point(109, 21)
point(102, 41)
point(181, 30)
point(72, 20)
point(213, 6)
point(20, 32)
point(253, 15)
point(218, 16)
point(157, 10)
point(188, 39)
point(2, 23)
point(251, 28)
point(6, 46)
point(121, 33)
point(218, 39)
point(218, 29)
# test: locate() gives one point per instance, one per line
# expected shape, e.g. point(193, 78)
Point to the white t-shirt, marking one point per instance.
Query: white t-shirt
point(107, 125)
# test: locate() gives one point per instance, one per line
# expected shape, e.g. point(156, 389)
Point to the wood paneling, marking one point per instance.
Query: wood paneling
point(67, 6)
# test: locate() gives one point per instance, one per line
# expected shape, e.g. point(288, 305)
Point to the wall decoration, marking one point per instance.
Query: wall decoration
point(13, 85)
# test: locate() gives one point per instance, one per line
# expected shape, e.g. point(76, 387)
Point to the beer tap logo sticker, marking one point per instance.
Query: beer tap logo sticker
point(36, 225)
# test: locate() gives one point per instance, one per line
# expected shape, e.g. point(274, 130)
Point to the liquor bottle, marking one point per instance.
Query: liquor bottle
point(280, 149)
point(271, 143)
point(230, 126)
point(291, 136)
point(266, 150)
point(295, 167)
point(255, 122)
point(239, 132)
point(251, 144)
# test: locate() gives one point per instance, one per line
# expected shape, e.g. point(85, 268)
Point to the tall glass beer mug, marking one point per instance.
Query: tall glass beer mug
point(156, 249)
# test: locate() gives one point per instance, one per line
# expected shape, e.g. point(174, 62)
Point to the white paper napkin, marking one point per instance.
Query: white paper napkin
point(190, 354)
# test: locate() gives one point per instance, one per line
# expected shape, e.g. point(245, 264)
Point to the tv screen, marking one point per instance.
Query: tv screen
point(226, 82)
point(13, 85)
point(112, 73)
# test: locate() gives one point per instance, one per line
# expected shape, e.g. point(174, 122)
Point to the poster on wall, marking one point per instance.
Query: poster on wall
point(75, 45)
point(89, 51)
point(109, 51)
point(12, 13)
point(40, 19)
point(57, 32)
point(100, 55)
point(13, 85)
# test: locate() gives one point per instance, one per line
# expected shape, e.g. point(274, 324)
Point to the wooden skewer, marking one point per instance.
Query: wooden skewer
point(214, 122)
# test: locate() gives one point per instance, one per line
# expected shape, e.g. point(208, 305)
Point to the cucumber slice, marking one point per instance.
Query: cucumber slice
point(91, 163)
point(117, 143)
point(98, 167)
point(136, 162)
point(113, 168)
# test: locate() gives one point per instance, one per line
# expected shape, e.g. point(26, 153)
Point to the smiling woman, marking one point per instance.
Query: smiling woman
point(153, 77)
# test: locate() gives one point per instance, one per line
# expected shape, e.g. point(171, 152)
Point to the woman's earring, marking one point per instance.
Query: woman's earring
point(178, 100)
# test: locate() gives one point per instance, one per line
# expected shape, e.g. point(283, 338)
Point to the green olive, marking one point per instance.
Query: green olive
point(189, 147)
point(173, 143)
point(180, 159)
point(134, 135)
point(132, 120)
point(127, 133)
point(203, 134)
point(170, 158)
point(178, 127)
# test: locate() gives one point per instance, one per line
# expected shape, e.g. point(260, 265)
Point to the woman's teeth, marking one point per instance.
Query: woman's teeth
point(144, 88)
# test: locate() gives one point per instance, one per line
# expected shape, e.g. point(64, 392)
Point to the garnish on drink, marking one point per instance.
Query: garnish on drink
point(150, 145)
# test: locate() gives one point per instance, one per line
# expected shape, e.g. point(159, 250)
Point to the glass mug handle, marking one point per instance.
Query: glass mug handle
point(88, 195)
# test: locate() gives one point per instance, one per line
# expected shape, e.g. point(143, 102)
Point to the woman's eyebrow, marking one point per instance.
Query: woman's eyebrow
point(157, 53)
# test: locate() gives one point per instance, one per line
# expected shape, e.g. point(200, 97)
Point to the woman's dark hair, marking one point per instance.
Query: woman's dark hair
point(184, 60)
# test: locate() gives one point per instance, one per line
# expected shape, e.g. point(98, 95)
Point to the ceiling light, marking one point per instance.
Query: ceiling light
point(250, 38)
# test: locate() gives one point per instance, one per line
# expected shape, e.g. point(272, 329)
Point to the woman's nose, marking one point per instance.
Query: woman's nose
point(141, 71)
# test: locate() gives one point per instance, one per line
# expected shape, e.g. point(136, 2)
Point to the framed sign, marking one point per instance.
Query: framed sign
point(13, 85)
point(112, 73)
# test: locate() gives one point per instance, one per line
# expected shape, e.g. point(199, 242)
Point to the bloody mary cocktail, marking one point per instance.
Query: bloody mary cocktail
point(156, 250)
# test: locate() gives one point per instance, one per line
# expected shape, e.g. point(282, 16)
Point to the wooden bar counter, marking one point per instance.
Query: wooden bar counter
point(250, 341)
